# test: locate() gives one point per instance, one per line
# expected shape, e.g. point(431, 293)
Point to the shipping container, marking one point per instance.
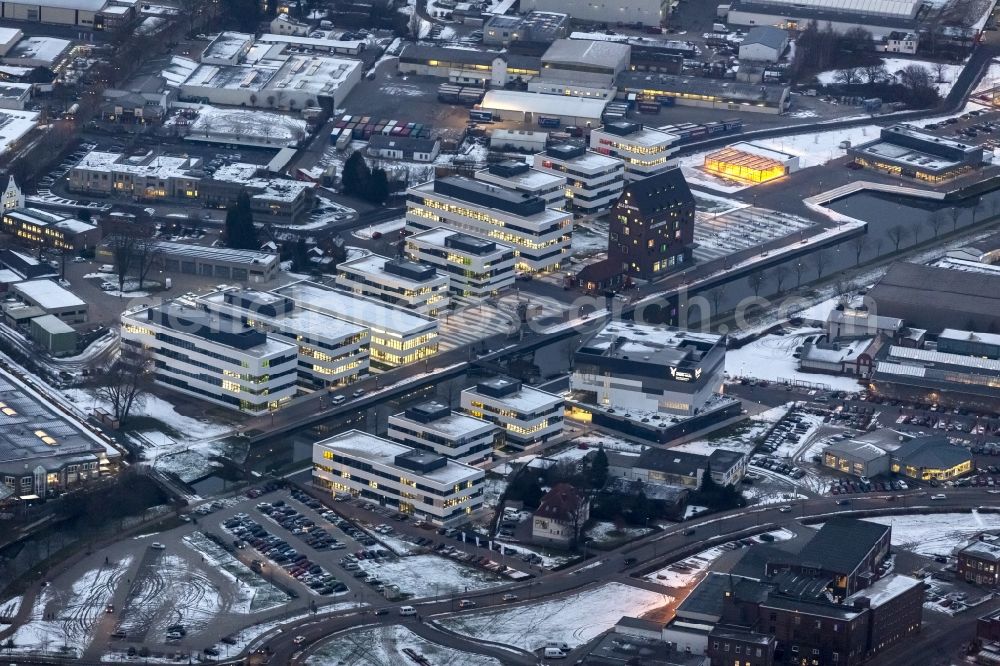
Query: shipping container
point(479, 114)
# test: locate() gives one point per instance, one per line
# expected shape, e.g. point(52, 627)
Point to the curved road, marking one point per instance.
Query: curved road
point(650, 553)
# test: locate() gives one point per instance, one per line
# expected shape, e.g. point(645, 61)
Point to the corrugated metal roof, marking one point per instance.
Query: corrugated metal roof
point(896, 8)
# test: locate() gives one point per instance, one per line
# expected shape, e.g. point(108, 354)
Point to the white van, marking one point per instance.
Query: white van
point(106, 268)
point(407, 610)
point(554, 653)
point(338, 400)
point(557, 645)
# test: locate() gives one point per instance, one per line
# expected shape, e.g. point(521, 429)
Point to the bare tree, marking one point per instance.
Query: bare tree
point(897, 234)
point(955, 214)
point(977, 207)
point(822, 259)
point(878, 247)
point(123, 385)
point(756, 280)
point(848, 76)
point(859, 243)
point(799, 268)
point(875, 72)
point(781, 273)
point(940, 69)
point(936, 221)
point(715, 296)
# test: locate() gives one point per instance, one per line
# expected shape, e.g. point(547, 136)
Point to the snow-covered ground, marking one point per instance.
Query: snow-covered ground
point(610, 443)
point(590, 238)
point(250, 126)
point(740, 437)
point(383, 229)
point(894, 66)
point(937, 533)
point(183, 449)
point(386, 645)
point(688, 571)
point(429, 575)
point(770, 357)
point(574, 619)
point(789, 447)
point(812, 149)
point(605, 532)
point(254, 594)
point(10, 607)
point(72, 613)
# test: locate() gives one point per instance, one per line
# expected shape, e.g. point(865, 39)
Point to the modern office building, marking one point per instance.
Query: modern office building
point(638, 367)
point(398, 336)
point(432, 426)
point(532, 28)
point(526, 415)
point(331, 351)
point(644, 150)
point(401, 282)
point(426, 485)
point(652, 226)
point(902, 150)
point(593, 181)
point(520, 177)
point(475, 267)
point(212, 358)
point(541, 236)
point(656, 465)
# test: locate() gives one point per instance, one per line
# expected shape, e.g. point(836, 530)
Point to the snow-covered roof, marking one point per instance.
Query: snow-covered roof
point(310, 324)
point(985, 547)
point(268, 189)
point(363, 446)
point(885, 590)
point(14, 125)
point(887, 8)
point(552, 105)
point(393, 321)
point(454, 425)
point(48, 295)
point(526, 400)
point(526, 181)
point(227, 45)
point(586, 52)
point(352, 45)
point(8, 35)
point(655, 344)
point(150, 165)
point(970, 336)
point(41, 49)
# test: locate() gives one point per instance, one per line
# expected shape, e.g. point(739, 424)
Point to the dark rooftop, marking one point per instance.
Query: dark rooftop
point(934, 452)
point(658, 192)
point(841, 544)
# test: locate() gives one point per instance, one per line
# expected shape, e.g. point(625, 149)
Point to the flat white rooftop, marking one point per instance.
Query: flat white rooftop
point(551, 105)
point(526, 400)
point(530, 180)
point(363, 311)
point(48, 295)
point(374, 449)
point(455, 425)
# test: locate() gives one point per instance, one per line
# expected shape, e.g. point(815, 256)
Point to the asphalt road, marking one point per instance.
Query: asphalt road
point(650, 553)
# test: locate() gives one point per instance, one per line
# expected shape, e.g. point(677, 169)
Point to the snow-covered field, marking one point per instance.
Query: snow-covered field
point(187, 447)
point(63, 621)
point(605, 532)
point(574, 619)
point(894, 66)
point(255, 126)
point(386, 645)
point(254, 594)
point(937, 533)
point(10, 607)
point(812, 149)
point(770, 358)
point(688, 571)
point(429, 575)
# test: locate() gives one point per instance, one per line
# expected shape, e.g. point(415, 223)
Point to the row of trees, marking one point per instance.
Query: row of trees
point(820, 49)
point(817, 264)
